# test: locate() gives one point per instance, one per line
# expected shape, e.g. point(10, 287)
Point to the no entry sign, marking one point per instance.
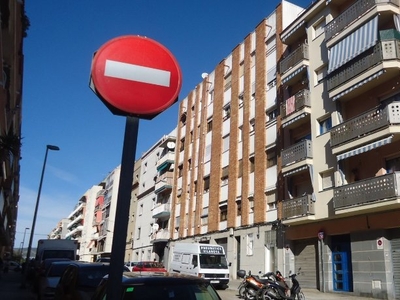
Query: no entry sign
point(135, 75)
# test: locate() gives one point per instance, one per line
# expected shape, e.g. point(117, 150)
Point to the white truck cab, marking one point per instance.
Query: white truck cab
point(201, 260)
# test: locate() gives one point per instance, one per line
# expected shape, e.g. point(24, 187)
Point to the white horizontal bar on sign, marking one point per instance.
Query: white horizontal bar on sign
point(137, 73)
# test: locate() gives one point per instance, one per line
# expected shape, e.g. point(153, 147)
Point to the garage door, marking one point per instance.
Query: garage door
point(305, 252)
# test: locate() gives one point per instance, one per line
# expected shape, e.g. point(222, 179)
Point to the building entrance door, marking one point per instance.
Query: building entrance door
point(341, 260)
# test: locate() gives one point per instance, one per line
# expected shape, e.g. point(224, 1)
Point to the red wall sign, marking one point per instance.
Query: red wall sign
point(136, 75)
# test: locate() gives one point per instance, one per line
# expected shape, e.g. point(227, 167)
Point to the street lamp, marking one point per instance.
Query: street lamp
point(23, 241)
point(28, 254)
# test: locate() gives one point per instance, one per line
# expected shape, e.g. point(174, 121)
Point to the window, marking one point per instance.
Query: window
point(223, 213)
point(271, 158)
point(206, 184)
point(320, 74)
point(204, 220)
point(182, 144)
point(211, 97)
point(318, 28)
point(191, 136)
point(227, 111)
point(225, 143)
point(141, 209)
point(177, 222)
point(271, 115)
point(138, 233)
point(180, 170)
point(393, 165)
point(251, 159)
point(240, 168)
point(249, 244)
point(238, 208)
point(327, 179)
point(209, 125)
point(228, 81)
point(183, 119)
point(325, 125)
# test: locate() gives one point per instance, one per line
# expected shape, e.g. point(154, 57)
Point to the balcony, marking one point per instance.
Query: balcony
point(297, 152)
point(385, 50)
point(75, 221)
point(352, 14)
point(162, 235)
point(298, 207)
point(74, 232)
point(293, 59)
point(165, 161)
point(162, 210)
point(366, 124)
point(164, 182)
point(301, 100)
point(377, 193)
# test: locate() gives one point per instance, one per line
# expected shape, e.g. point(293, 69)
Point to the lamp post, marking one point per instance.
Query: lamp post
point(28, 254)
point(23, 241)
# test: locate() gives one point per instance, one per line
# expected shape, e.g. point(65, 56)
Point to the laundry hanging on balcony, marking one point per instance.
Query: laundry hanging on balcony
point(353, 45)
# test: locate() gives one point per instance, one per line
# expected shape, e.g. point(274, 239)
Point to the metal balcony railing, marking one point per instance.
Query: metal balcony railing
point(297, 152)
point(298, 207)
point(384, 50)
point(294, 58)
point(367, 123)
point(301, 100)
point(352, 14)
point(367, 191)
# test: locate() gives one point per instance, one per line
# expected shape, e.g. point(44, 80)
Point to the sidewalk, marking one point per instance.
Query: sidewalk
point(312, 294)
point(10, 287)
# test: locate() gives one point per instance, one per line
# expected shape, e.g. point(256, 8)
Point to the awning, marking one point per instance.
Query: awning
point(294, 119)
point(365, 148)
point(293, 74)
point(358, 84)
point(295, 171)
point(353, 45)
point(292, 31)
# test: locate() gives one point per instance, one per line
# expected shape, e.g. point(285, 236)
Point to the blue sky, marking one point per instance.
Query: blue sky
point(60, 109)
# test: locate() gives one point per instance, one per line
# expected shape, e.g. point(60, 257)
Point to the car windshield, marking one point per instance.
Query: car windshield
point(91, 277)
point(56, 270)
point(168, 292)
point(208, 261)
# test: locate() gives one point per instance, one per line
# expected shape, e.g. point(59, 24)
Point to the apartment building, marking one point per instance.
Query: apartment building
point(152, 225)
point(86, 244)
point(14, 26)
point(132, 212)
point(60, 231)
point(225, 184)
point(339, 131)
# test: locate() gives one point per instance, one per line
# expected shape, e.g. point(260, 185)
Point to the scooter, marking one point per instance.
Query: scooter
point(279, 290)
point(251, 284)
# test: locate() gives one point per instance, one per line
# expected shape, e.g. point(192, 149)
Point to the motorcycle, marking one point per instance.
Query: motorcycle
point(251, 284)
point(279, 290)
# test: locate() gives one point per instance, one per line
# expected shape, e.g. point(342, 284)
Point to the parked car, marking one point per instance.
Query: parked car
point(50, 278)
point(145, 267)
point(80, 279)
point(166, 287)
point(104, 259)
point(131, 264)
point(13, 266)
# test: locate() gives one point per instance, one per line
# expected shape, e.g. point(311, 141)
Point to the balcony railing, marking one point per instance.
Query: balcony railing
point(160, 235)
point(163, 182)
point(162, 210)
point(384, 50)
point(294, 58)
point(367, 191)
point(297, 152)
point(369, 122)
point(301, 99)
point(351, 14)
point(169, 157)
point(298, 207)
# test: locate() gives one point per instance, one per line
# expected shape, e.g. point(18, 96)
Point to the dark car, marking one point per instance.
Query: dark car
point(166, 287)
point(50, 278)
point(80, 279)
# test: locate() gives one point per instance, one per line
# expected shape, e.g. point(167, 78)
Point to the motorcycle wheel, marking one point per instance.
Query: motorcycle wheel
point(300, 296)
point(242, 290)
point(249, 296)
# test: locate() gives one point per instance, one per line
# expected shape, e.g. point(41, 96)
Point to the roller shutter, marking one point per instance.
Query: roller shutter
point(396, 266)
point(305, 252)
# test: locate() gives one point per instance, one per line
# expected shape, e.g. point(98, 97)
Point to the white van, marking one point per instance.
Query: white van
point(201, 260)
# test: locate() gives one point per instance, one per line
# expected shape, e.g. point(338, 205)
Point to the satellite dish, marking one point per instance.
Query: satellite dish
point(171, 145)
point(204, 75)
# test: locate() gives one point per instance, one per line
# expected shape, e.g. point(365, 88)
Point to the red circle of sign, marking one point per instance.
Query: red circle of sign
point(144, 59)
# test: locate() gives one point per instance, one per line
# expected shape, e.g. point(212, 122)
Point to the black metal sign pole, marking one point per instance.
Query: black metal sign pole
point(114, 288)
